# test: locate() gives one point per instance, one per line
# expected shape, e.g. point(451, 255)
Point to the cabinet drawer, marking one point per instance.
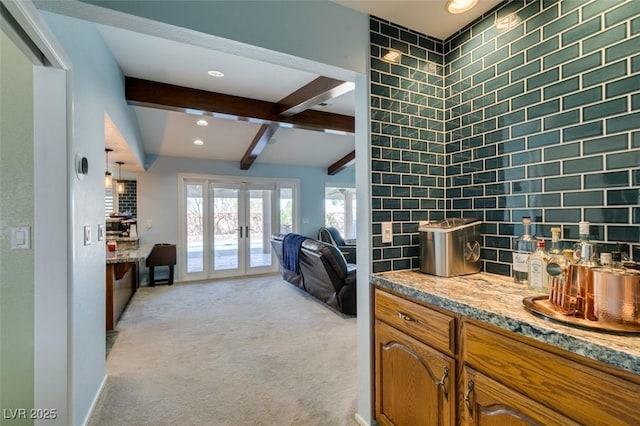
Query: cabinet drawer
point(580, 392)
point(427, 325)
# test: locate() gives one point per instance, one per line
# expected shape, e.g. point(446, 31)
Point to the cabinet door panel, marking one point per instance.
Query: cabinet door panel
point(486, 402)
point(414, 384)
point(577, 390)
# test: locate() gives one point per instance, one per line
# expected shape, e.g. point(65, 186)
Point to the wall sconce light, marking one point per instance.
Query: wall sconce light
point(108, 181)
point(120, 184)
point(392, 56)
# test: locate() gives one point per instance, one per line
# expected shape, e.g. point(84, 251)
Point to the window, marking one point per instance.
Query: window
point(340, 210)
point(110, 201)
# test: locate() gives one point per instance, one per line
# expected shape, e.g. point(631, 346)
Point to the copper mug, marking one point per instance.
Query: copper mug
point(616, 295)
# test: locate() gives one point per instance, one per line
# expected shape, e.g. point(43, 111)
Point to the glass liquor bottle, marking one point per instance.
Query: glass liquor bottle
point(538, 276)
point(525, 245)
point(584, 240)
point(556, 246)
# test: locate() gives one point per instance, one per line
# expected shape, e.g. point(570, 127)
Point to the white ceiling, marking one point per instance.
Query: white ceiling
point(172, 133)
point(428, 17)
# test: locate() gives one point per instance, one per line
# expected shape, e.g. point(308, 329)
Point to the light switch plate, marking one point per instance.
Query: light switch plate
point(21, 238)
point(387, 232)
point(87, 235)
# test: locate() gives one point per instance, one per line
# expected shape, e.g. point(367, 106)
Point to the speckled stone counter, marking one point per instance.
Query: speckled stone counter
point(129, 255)
point(496, 300)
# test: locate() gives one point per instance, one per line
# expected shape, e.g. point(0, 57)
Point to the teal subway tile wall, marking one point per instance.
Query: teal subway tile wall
point(532, 110)
point(128, 202)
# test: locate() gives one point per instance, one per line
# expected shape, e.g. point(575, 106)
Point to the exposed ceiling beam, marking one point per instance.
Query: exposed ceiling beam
point(342, 163)
point(257, 145)
point(319, 90)
point(177, 98)
point(311, 94)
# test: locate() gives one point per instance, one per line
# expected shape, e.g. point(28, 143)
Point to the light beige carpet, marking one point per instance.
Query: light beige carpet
point(234, 352)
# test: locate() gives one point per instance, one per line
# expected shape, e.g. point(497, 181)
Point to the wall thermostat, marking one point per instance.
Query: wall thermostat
point(82, 166)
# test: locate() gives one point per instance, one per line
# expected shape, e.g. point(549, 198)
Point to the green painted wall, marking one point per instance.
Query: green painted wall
point(16, 209)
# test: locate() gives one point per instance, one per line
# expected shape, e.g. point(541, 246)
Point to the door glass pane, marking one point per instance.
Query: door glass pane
point(224, 228)
point(286, 210)
point(195, 221)
point(259, 227)
point(340, 210)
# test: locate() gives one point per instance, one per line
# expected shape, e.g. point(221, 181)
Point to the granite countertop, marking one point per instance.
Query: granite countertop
point(496, 300)
point(123, 239)
point(129, 255)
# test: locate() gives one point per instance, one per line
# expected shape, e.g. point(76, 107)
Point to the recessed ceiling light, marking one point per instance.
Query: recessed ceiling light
point(392, 56)
point(215, 73)
point(198, 142)
point(202, 123)
point(460, 6)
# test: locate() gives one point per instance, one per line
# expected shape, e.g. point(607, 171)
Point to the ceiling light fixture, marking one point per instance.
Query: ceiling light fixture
point(215, 73)
point(198, 142)
point(202, 123)
point(392, 56)
point(460, 6)
point(120, 184)
point(108, 181)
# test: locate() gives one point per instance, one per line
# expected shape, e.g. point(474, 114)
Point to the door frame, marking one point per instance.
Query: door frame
point(52, 249)
point(184, 178)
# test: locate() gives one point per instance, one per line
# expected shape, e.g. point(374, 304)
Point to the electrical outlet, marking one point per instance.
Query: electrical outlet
point(387, 232)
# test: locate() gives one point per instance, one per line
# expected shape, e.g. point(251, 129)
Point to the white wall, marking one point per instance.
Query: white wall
point(96, 87)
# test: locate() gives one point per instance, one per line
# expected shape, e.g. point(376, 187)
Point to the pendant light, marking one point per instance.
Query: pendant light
point(108, 181)
point(120, 184)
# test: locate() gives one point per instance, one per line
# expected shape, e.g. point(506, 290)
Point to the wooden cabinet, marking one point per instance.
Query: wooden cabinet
point(486, 402)
point(414, 383)
point(505, 379)
point(582, 390)
point(121, 284)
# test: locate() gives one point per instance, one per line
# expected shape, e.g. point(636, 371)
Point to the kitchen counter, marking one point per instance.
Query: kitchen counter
point(122, 280)
point(129, 255)
point(496, 300)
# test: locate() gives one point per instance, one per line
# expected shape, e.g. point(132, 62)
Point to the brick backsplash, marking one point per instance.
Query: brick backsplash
point(540, 120)
point(127, 202)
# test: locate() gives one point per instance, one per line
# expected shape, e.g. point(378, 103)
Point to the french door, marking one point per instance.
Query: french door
point(227, 225)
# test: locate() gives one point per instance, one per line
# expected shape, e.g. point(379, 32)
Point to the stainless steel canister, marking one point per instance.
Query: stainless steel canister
point(616, 295)
point(450, 247)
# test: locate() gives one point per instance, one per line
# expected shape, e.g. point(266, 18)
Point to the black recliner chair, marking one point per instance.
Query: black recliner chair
point(292, 277)
point(162, 254)
point(322, 272)
point(331, 235)
point(328, 276)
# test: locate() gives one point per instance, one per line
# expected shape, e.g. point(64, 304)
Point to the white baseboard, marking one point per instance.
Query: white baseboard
point(94, 402)
point(360, 420)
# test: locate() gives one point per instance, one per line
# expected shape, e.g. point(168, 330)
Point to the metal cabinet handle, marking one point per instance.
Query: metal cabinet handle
point(443, 382)
point(467, 398)
point(240, 229)
point(406, 317)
